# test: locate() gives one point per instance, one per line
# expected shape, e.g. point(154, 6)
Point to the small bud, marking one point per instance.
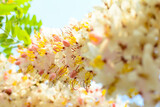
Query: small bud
point(52, 76)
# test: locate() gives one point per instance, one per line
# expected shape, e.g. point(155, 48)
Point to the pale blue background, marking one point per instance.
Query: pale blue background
point(57, 13)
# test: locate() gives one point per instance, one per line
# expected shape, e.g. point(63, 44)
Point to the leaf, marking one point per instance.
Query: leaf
point(25, 19)
point(19, 2)
point(3, 37)
point(7, 50)
point(1, 18)
point(19, 12)
point(22, 35)
point(25, 8)
point(33, 21)
point(5, 44)
point(8, 26)
point(9, 41)
point(40, 23)
point(5, 9)
point(28, 29)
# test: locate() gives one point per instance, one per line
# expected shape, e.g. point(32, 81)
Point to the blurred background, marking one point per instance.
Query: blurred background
point(57, 13)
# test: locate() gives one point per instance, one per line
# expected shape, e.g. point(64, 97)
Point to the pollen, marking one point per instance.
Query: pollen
point(62, 71)
point(11, 59)
point(41, 44)
point(84, 25)
point(24, 78)
point(14, 83)
point(78, 60)
point(72, 40)
point(76, 28)
point(111, 90)
point(10, 71)
point(98, 62)
point(73, 83)
point(41, 51)
point(107, 31)
point(64, 101)
point(126, 68)
point(30, 69)
point(31, 55)
point(103, 92)
point(95, 39)
point(37, 36)
point(110, 102)
point(84, 92)
point(88, 77)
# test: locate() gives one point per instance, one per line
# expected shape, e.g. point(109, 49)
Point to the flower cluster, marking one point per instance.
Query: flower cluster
point(117, 45)
point(22, 90)
point(125, 48)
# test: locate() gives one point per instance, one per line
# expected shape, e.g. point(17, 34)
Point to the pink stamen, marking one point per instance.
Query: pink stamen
point(17, 62)
point(52, 76)
point(73, 74)
point(33, 48)
point(66, 43)
point(24, 55)
point(56, 38)
point(113, 105)
point(41, 72)
point(80, 100)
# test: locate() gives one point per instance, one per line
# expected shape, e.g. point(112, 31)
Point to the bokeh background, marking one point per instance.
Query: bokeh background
point(57, 13)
